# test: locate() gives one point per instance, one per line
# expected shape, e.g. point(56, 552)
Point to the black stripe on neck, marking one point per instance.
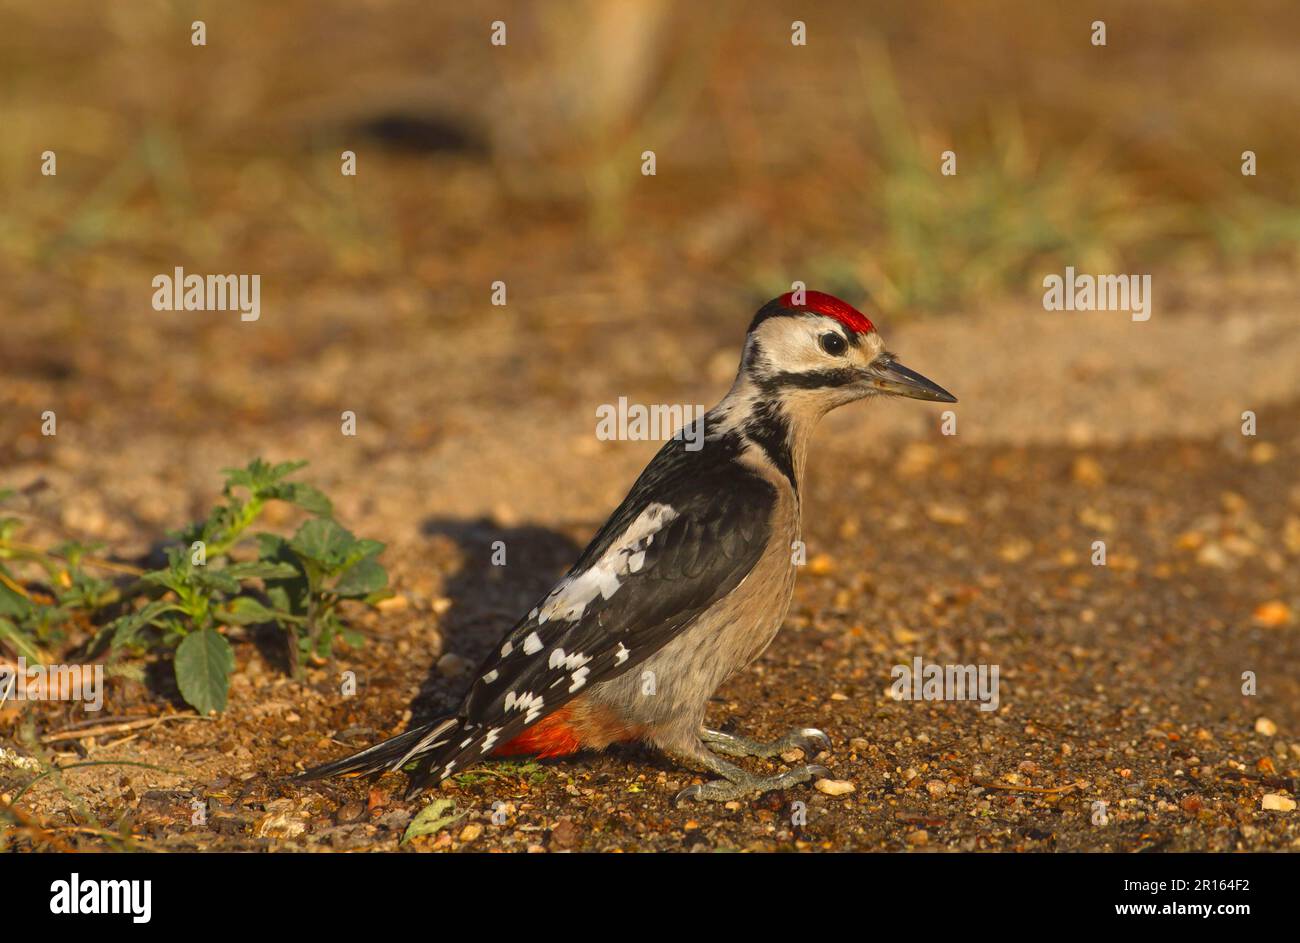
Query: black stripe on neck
point(768, 428)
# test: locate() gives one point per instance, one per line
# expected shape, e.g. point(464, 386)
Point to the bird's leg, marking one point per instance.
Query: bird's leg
point(737, 782)
point(809, 739)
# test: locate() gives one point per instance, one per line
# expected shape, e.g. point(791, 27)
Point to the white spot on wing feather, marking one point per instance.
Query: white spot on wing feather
point(532, 703)
point(626, 555)
point(560, 658)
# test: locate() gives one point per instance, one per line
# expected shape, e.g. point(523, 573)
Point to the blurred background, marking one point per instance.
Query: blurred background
point(774, 163)
point(522, 163)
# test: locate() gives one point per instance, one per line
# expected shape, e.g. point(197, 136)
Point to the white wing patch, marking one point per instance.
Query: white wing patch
point(491, 739)
point(620, 655)
point(569, 662)
point(626, 555)
point(532, 703)
point(575, 663)
point(579, 679)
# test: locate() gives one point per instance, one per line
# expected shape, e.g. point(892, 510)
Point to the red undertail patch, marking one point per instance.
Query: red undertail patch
point(553, 735)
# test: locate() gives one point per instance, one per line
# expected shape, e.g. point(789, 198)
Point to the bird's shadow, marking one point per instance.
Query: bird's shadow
point(503, 572)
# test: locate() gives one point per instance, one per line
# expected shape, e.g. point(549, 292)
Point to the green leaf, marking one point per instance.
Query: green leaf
point(307, 497)
point(258, 475)
point(13, 604)
point(283, 601)
point(124, 631)
point(437, 815)
point(362, 579)
point(18, 640)
point(212, 581)
point(72, 551)
point(244, 610)
point(86, 592)
point(323, 541)
point(204, 662)
point(262, 570)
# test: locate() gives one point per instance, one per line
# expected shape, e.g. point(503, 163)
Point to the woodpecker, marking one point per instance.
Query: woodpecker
point(685, 585)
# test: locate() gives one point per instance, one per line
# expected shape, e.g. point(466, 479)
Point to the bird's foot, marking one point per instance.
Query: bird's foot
point(809, 739)
point(740, 783)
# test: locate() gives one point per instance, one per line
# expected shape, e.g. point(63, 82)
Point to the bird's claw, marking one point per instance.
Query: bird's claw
point(690, 792)
point(747, 784)
point(811, 740)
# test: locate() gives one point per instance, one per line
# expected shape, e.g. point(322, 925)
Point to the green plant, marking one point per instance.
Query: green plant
point(434, 817)
point(31, 620)
point(218, 574)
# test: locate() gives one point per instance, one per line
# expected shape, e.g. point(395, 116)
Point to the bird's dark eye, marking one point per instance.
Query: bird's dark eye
point(833, 343)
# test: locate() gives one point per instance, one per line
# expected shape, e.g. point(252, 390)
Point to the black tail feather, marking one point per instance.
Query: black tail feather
point(387, 755)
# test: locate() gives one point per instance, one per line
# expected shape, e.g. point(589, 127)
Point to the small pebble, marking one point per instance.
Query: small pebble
point(1087, 471)
point(1272, 614)
point(564, 834)
point(352, 812)
point(950, 514)
point(1277, 803)
point(1266, 727)
point(452, 665)
point(834, 787)
point(821, 565)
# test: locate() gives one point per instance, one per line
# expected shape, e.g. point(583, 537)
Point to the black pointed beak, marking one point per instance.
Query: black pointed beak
point(892, 377)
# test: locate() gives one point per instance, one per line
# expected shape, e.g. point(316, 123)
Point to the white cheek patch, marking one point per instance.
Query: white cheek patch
point(626, 555)
point(791, 343)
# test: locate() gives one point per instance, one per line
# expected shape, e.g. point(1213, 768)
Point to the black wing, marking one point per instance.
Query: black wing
point(691, 529)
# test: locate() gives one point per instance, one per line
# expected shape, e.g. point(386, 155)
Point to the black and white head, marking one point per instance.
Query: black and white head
point(810, 352)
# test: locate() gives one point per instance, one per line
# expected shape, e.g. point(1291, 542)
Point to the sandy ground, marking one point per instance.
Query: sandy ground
point(1122, 722)
point(1120, 684)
